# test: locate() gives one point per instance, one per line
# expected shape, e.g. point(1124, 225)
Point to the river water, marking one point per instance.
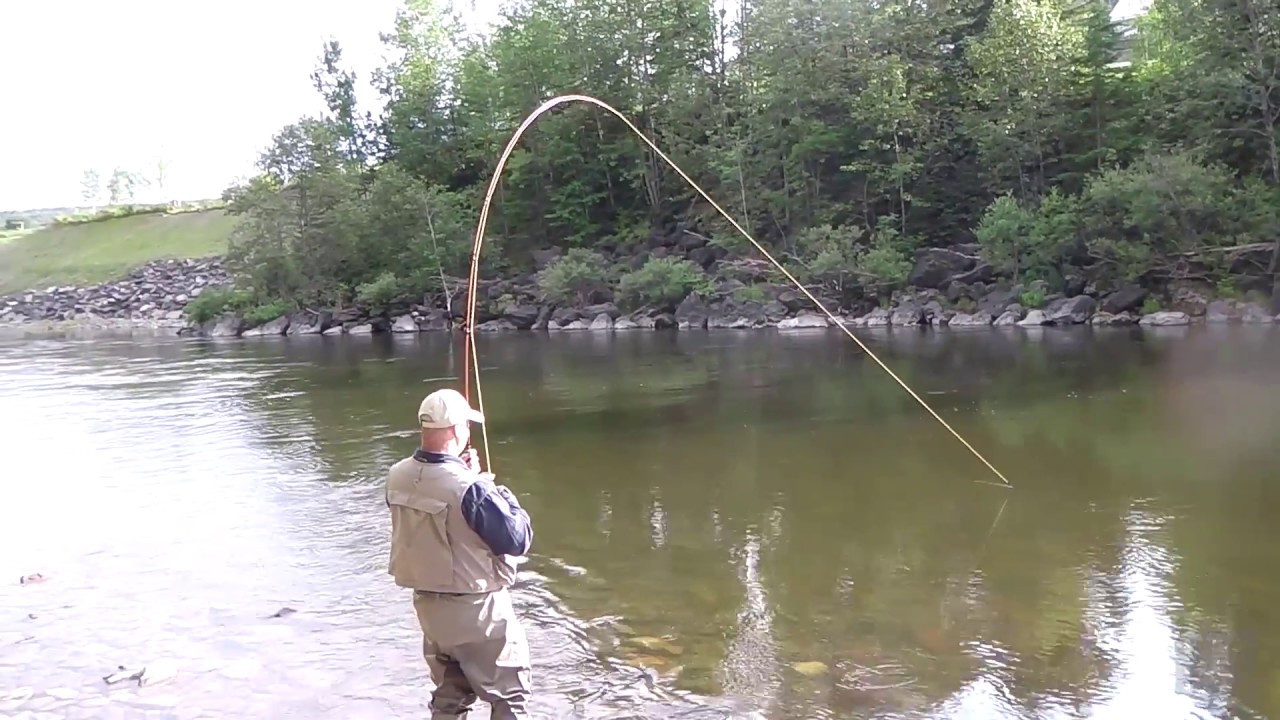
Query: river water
point(755, 524)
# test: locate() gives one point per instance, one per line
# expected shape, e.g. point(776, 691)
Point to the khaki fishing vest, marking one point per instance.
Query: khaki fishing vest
point(432, 547)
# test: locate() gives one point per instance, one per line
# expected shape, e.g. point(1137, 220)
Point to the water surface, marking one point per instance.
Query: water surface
point(725, 523)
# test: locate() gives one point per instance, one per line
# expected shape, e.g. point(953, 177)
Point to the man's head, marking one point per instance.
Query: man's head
point(445, 416)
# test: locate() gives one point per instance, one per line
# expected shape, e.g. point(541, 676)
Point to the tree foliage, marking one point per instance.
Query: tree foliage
point(843, 136)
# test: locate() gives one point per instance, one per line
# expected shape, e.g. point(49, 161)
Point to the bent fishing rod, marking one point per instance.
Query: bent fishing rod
point(470, 359)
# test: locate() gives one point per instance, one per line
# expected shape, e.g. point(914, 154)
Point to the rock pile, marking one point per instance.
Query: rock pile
point(947, 287)
point(154, 293)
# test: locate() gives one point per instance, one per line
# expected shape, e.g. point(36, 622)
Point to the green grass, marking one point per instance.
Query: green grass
point(95, 252)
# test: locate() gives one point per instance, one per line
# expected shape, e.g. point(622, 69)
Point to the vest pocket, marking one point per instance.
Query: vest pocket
point(421, 556)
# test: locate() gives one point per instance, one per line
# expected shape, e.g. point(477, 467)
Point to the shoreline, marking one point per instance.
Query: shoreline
point(808, 322)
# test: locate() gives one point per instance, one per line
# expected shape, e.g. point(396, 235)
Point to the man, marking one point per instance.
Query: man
point(455, 541)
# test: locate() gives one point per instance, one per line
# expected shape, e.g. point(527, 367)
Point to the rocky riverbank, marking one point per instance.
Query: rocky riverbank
point(154, 295)
point(949, 288)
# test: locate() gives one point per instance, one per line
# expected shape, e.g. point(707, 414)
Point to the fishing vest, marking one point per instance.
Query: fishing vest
point(432, 547)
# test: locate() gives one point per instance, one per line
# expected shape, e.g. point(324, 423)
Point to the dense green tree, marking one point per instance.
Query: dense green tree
point(843, 136)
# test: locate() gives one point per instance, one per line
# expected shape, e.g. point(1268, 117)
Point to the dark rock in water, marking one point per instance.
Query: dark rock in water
point(285, 611)
point(564, 315)
point(664, 321)
point(522, 317)
point(906, 315)
point(435, 320)
point(229, 325)
point(692, 313)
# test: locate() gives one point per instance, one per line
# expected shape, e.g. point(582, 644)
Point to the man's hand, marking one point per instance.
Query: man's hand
point(472, 459)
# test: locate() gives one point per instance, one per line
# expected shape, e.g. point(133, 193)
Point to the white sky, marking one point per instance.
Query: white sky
point(106, 83)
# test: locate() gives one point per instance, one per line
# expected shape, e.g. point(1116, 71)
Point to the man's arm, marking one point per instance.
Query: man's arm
point(497, 518)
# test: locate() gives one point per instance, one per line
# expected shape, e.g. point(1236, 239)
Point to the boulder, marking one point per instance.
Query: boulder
point(601, 322)
point(1074, 310)
point(937, 267)
point(1034, 318)
point(1105, 319)
point(1166, 318)
point(521, 317)
point(404, 324)
point(692, 313)
point(804, 320)
point(906, 315)
point(978, 319)
point(1126, 298)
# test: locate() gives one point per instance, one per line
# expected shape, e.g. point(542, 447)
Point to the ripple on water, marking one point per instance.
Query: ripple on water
point(192, 526)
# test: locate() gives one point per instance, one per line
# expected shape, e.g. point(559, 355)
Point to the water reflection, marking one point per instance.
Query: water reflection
point(723, 521)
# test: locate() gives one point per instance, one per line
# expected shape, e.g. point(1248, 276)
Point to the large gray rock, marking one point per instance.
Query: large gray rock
point(692, 314)
point(879, 317)
point(522, 317)
point(997, 301)
point(1165, 319)
point(1129, 297)
point(625, 323)
point(1071, 311)
point(1251, 314)
point(435, 320)
point(1034, 318)
point(739, 315)
point(1104, 319)
point(804, 320)
point(601, 322)
point(229, 325)
point(906, 315)
point(978, 319)
point(1220, 311)
point(404, 324)
point(937, 267)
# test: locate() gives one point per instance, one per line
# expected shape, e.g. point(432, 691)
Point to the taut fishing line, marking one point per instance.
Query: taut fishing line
point(470, 359)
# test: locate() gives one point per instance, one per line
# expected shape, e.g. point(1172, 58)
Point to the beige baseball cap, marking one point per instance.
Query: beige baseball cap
point(446, 408)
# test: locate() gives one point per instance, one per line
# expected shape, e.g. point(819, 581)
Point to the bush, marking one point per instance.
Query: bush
point(215, 301)
point(663, 282)
point(379, 294)
point(1032, 299)
point(750, 293)
point(572, 277)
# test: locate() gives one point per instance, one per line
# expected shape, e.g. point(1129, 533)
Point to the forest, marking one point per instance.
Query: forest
point(1056, 144)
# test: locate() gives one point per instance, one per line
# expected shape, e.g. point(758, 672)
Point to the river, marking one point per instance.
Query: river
point(726, 523)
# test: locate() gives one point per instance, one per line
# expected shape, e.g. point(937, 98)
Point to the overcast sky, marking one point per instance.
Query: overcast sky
point(203, 86)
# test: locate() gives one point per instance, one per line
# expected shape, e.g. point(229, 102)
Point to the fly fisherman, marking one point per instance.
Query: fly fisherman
point(455, 541)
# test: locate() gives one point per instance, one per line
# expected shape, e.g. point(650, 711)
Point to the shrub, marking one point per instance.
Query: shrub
point(663, 282)
point(573, 276)
point(378, 294)
point(215, 301)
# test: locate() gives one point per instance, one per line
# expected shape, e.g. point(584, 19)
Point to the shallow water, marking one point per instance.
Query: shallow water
point(724, 522)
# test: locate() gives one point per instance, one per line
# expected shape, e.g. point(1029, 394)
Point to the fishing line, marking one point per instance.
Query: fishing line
point(469, 327)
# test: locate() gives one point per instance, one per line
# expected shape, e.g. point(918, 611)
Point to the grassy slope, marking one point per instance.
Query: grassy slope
point(106, 250)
